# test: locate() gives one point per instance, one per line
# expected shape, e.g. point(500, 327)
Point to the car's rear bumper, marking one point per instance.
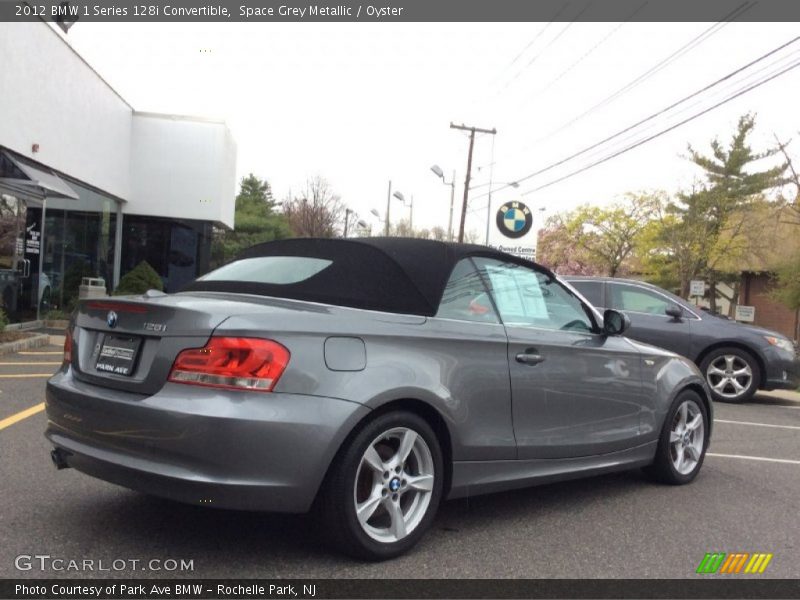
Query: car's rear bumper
point(243, 450)
point(783, 370)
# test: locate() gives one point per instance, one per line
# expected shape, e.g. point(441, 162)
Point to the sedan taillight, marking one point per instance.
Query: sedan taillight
point(68, 347)
point(232, 363)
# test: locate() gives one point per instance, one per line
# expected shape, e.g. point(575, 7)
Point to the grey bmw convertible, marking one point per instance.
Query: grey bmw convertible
point(369, 380)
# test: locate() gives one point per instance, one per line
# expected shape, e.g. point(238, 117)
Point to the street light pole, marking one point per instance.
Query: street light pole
point(452, 201)
point(347, 212)
point(388, 208)
point(437, 170)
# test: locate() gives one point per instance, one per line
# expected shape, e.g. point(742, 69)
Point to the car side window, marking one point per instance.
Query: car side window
point(465, 297)
point(591, 290)
point(529, 298)
point(636, 299)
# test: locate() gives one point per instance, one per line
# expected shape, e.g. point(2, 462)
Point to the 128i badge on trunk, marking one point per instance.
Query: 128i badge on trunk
point(118, 354)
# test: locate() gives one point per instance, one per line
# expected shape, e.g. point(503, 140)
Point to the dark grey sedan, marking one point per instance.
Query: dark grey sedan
point(368, 379)
point(736, 359)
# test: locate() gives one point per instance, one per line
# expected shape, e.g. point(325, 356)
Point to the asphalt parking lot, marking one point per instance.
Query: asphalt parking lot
point(746, 499)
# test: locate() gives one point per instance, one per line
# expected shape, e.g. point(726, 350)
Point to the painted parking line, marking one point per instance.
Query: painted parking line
point(759, 458)
point(9, 421)
point(41, 353)
point(757, 424)
point(28, 364)
point(25, 375)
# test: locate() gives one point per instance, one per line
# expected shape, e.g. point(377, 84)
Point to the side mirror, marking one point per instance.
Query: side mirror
point(674, 311)
point(615, 322)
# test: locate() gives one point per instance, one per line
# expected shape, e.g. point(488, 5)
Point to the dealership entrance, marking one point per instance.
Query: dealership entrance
point(25, 290)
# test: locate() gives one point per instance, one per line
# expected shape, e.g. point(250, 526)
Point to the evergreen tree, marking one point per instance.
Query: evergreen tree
point(256, 220)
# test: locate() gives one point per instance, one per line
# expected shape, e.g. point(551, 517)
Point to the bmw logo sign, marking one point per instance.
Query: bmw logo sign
point(514, 219)
point(111, 319)
point(394, 484)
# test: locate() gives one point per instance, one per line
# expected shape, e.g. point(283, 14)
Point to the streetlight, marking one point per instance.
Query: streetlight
point(399, 196)
point(513, 184)
point(360, 222)
point(437, 170)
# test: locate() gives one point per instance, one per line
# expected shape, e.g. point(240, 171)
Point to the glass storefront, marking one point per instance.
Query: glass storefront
point(179, 250)
point(48, 244)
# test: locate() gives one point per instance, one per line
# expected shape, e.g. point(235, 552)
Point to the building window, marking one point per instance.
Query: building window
point(178, 250)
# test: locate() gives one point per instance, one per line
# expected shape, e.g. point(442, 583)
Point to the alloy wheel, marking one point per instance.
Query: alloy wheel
point(729, 376)
point(686, 437)
point(394, 485)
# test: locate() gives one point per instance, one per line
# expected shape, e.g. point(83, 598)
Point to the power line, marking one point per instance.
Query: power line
point(698, 101)
point(665, 131)
point(538, 35)
point(592, 49)
point(654, 115)
point(662, 64)
point(542, 51)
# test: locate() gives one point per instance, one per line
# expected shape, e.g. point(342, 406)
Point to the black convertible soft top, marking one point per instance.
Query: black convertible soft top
point(389, 274)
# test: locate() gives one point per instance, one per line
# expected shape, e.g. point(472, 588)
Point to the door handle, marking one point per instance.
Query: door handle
point(529, 358)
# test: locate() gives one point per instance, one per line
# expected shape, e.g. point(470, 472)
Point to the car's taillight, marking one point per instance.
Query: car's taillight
point(232, 363)
point(68, 347)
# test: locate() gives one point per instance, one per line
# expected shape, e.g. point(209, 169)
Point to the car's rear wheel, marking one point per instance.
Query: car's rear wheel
point(683, 442)
point(732, 374)
point(384, 489)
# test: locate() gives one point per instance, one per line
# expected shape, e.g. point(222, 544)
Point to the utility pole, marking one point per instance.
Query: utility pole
point(472, 131)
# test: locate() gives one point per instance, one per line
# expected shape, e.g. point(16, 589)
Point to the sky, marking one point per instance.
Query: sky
point(365, 103)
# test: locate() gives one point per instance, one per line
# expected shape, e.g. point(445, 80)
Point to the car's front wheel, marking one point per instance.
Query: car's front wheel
point(383, 491)
point(732, 374)
point(683, 442)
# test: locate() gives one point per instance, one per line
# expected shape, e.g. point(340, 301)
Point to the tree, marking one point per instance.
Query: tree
point(317, 212)
point(558, 251)
point(730, 189)
point(596, 240)
point(787, 280)
point(669, 254)
point(256, 220)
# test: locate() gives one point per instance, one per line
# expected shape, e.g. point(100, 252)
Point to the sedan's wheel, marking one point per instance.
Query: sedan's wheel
point(683, 442)
point(732, 374)
point(383, 491)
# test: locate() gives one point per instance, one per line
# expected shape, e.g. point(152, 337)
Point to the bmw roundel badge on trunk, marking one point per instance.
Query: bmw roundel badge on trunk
point(514, 219)
point(111, 319)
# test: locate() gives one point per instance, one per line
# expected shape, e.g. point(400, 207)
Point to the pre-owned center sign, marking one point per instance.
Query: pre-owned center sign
point(514, 223)
point(514, 219)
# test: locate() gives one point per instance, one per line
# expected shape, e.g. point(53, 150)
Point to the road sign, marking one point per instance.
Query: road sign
point(697, 287)
point(746, 313)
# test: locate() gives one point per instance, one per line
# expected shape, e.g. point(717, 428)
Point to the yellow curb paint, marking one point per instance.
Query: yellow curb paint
point(25, 375)
point(27, 364)
point(9, 421)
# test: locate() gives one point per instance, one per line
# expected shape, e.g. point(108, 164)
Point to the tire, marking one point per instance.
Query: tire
point(666, 467)
point(732, 374)
point(352, 481)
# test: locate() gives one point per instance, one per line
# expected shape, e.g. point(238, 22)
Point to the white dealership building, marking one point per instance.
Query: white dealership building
point(89, 186)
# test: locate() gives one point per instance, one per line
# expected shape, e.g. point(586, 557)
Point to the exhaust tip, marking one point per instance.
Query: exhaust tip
point(59, 458)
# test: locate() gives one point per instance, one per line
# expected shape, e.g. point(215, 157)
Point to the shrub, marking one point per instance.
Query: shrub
point(56, 315)
point(137, 281)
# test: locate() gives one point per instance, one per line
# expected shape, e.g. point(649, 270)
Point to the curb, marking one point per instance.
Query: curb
point(38, 340)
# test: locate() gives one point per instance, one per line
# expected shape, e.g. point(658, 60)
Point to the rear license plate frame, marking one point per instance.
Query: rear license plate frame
point(118, 354)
